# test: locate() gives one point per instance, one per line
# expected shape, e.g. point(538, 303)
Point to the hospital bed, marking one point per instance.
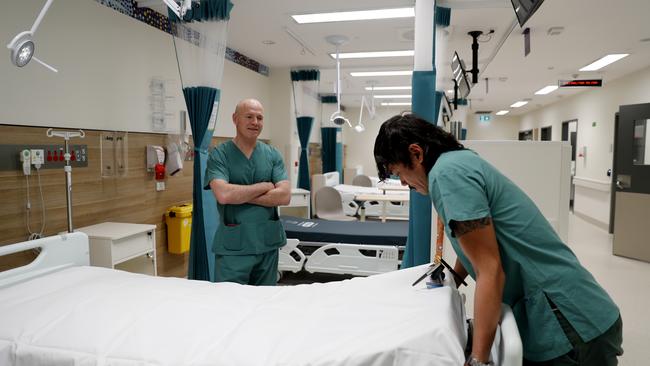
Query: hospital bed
point(59, 311)
point(348, 192)
point(342, 247)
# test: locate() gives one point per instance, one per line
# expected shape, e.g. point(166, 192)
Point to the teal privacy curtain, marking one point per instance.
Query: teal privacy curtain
point(304, 130)
point(436, 105)
point(328, 148)
point(305, 97)
point(331, 146)
point(200, 46)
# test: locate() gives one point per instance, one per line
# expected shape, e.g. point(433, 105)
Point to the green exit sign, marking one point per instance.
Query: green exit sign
point(485, 118)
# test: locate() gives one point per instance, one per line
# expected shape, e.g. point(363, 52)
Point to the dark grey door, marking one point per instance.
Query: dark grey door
point(546, 133)
point(632, 183)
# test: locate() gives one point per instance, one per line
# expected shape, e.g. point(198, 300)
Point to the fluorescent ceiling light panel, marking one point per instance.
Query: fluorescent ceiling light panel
point(546, 90)
point(375, 54)
point(520, 103)
point(502, 113)
point(395, 103)
point(388, 88)
point(393, 96)
point(355, 15)
point(597, 65)
point(382, 73)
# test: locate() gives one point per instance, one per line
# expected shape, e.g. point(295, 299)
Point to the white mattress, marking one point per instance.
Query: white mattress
point(348, 192)
point(95, 316)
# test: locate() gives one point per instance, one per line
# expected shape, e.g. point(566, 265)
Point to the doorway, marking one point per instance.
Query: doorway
point(631, 177)
point(570, 133)
point(546, 133)
point(526, 135)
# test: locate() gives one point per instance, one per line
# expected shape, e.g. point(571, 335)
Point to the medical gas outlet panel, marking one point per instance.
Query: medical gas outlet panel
point(52, 156)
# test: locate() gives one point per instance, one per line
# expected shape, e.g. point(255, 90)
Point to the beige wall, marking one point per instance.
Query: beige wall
point(499, 128)
point(360, 145)
point(107, 85)
point(593, 107)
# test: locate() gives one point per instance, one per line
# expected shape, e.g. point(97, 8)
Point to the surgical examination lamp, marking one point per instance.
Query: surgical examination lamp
point(337, 118)
point(22, 46)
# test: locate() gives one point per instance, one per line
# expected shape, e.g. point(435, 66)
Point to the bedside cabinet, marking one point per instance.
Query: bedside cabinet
point(299, 205)
point(127, 247)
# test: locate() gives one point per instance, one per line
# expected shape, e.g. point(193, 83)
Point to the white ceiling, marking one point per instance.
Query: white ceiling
point(592, 28)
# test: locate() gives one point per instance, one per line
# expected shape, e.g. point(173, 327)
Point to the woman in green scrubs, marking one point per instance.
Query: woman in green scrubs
point(249, 181)
point(502, 241)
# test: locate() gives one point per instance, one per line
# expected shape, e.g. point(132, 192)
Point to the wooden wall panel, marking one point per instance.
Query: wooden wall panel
point(130, 199)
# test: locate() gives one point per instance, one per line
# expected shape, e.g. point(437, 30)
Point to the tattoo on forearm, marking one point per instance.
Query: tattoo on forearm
point(463, 227)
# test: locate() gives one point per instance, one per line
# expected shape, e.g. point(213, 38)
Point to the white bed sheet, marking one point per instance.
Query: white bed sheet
point(95, 316)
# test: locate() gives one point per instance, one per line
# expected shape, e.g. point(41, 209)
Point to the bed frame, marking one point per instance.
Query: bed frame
point(338, 258)
point(55, 253)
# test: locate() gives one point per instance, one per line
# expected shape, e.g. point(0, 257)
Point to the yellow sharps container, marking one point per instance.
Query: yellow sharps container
point(179, 227)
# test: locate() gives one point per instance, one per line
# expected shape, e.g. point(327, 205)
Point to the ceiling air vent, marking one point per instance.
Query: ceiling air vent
point(483, 112)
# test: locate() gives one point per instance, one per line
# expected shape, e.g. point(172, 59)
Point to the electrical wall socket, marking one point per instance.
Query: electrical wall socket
point(38, 156)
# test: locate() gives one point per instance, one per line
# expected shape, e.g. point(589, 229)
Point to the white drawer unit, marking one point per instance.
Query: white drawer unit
point(129, 247)
point(299, 204)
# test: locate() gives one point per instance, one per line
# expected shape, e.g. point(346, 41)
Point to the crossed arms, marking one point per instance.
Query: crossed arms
point(262, 194)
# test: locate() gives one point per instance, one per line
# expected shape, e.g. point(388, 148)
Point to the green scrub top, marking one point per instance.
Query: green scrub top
point(537, 264)
point(246, 229)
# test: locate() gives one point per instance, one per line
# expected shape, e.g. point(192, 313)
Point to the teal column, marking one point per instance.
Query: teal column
point(418, 244)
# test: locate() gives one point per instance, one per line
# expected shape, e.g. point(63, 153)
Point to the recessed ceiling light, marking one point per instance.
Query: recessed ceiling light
point(388, 88)
point(268, 41)
point(502, 113)
point(546, 90)
point(395, 103)
point(520, 103)
point(393, 96)
point(374, 54)
point(450, 91)
point(599, 64)
point(382, 73)
point(355, 15)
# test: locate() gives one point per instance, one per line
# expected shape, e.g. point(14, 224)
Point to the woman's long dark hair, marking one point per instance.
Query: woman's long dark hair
point(397, 133)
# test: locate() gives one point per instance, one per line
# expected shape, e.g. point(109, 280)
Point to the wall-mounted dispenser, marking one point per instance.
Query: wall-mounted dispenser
point(156, 164)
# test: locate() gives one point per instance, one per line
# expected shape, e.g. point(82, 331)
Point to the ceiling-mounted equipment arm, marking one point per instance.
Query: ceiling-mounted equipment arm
point(40, 16)
point(178, 9)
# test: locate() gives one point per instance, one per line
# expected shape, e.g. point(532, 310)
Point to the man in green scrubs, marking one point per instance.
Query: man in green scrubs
point(249, 180)
point(503, 242)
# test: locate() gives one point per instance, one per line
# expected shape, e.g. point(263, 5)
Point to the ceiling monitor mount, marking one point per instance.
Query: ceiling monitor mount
point(474, 71)
point(461, 85)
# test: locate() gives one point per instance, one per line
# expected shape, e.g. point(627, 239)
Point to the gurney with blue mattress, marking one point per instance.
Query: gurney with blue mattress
point(342, 247)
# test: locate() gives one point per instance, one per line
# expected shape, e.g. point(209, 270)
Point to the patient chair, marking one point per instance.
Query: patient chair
point(329, 205)
point(362, 181)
